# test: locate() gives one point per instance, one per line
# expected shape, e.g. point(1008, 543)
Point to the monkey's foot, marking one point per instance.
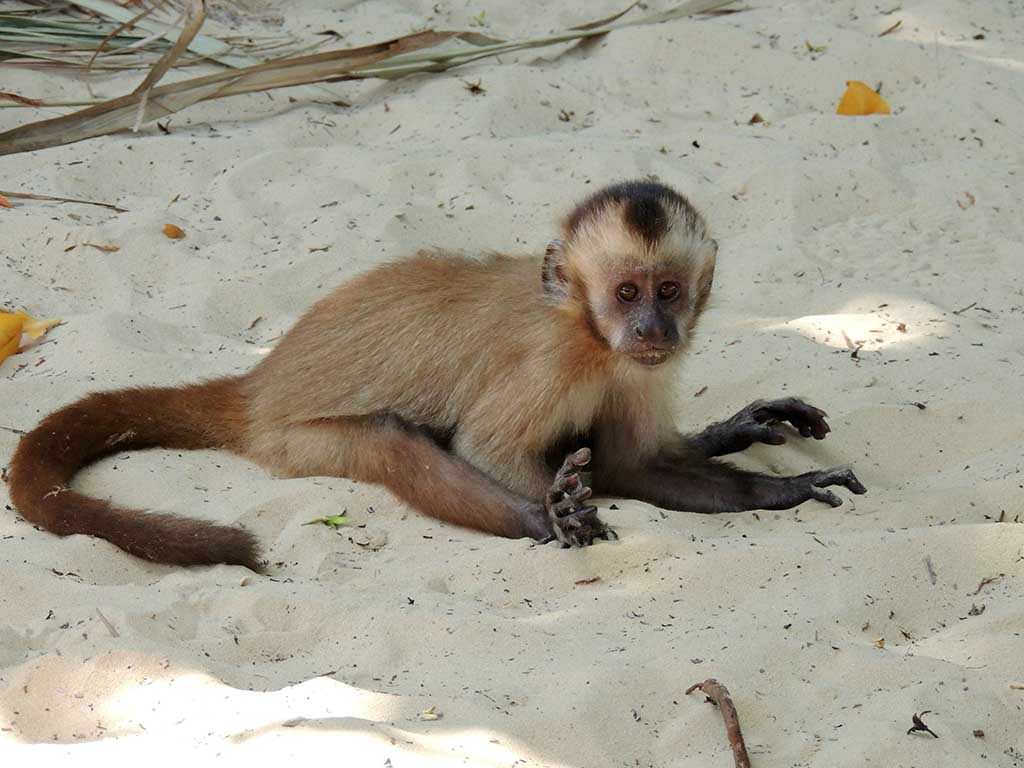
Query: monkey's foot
point(814, 485)
point(574, 524)
point(759, 423)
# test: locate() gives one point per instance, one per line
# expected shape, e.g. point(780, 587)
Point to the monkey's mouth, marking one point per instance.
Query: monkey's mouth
point(652, 356)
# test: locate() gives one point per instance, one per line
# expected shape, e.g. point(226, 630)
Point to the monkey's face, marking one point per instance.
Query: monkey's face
point(643, 313)
point(637, 261)
point(646, 307)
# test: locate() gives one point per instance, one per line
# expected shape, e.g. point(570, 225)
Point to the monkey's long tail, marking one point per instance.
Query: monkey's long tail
point(207, 415)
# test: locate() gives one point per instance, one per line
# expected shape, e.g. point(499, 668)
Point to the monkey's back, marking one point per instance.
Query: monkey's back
point(412, 338)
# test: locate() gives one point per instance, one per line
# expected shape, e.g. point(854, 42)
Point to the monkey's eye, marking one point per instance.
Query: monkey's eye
point(627, 292)
point(668, 291)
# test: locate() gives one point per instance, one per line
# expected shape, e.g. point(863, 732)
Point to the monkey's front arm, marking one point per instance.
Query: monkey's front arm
point(759, 423)
point(685, 477)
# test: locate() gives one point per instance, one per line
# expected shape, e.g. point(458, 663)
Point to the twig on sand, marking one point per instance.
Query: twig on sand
point(919, 725)
point(106, 622)
point(718, 694)
point(26, 196)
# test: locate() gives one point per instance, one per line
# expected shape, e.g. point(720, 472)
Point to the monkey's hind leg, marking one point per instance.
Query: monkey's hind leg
point(420, 472)
point(760, 422)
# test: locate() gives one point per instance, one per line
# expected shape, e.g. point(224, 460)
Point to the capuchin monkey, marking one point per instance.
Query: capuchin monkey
point(475, 389)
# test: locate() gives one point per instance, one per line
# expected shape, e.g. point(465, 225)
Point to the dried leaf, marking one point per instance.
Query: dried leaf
point(431, 713)
point(390, 59)
point(20, 99)
point(968, 201)
point(880, 642)
point(4, 202)
point(173, 231)
point(861, 99)
point(105, 248)
point(13, 325)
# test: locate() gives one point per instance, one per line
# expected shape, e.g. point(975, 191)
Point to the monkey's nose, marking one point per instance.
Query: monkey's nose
point(650, 332)
point(658, 334)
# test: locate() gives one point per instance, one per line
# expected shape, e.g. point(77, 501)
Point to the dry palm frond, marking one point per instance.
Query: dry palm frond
point(422, 52)
point(104, 35)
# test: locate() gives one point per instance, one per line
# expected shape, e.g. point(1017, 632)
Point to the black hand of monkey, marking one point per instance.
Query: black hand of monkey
point(574, 524)
point(814, 485)
point(760, 422)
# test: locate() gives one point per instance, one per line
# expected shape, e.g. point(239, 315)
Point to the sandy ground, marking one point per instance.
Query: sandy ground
point(899, 235)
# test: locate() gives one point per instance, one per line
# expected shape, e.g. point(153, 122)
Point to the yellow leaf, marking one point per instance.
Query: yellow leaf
point(36, 328)
point(173, 232)
point(859, 99)
point(10, 333)
point(12, 325)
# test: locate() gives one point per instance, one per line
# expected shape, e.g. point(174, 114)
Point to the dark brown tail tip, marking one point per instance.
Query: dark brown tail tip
point(233, 546)
point(166, 538)
point(246, 550)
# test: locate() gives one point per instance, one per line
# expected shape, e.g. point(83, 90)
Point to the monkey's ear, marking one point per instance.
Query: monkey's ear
point(706, 274)
point(553, 276)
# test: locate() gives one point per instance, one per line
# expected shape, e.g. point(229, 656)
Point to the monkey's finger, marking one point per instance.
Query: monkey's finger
point(579, 516)
point(557, 499)
point(581, 458)
point(856, 486)
point(845, 477)
point(805, 417)
point(825, 495)
point(771, 435)
point(581, 494)
point(563, 508)
point(784, 407)
point(817, 428)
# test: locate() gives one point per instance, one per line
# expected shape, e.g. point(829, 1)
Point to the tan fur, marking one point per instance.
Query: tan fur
point(473, 351)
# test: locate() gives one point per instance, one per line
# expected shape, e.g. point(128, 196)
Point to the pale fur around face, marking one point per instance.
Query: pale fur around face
point(603, 252)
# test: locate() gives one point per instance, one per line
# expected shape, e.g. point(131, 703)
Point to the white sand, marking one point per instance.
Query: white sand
point(828, 226)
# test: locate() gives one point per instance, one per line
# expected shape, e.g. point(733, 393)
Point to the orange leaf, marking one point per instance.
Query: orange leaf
point(173, 232)
point(5, 203)
point(859, 99)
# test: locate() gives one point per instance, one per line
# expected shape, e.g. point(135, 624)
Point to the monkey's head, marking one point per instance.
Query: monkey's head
point(637, 261)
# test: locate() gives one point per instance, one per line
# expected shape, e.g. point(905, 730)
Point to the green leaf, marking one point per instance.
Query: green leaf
point(331, 521)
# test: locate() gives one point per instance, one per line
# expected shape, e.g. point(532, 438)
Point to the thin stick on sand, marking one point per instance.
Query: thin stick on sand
point(718, 694)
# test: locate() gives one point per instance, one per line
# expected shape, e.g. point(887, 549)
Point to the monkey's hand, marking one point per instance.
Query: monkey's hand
point(814, 485)
point(760, 422)
point(574, 524)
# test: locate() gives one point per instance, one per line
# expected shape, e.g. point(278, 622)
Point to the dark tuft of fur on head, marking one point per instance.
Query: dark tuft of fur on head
point(649, 208)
